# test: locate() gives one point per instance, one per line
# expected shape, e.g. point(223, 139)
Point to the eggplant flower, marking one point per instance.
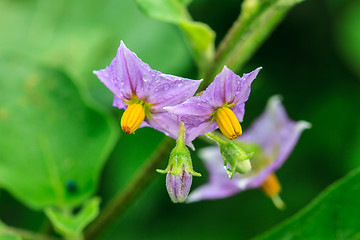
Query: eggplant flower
point(221, 105)
point(271, 138)
point(144, 92)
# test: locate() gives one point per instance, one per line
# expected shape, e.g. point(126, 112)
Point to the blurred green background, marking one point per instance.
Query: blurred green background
point(312, 59)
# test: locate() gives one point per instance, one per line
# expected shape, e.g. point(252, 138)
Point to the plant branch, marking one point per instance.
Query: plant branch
point(256, 22)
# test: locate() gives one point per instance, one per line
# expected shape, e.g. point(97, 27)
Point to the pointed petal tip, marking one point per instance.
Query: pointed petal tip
point(302, 125)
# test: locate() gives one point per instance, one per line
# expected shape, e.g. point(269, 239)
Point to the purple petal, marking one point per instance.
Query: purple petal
point(196, 114)
point(239, 110)
point(198, 127)
point(276, 134)
point(126, 74)
point(168, 90)
point(117, 102)
point(228, 88)
point(165, 122)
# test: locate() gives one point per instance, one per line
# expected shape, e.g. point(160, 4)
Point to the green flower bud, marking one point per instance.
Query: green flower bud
point(179, 170)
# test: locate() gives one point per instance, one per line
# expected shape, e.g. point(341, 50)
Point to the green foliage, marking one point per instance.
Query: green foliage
point(199, 36)
point(329, 216)
point(6, 235)
point(69, 224)
point(53, 144)
point(349, 35)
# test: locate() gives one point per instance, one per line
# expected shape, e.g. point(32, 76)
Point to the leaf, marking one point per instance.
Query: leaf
point(334, 214)
point(69, 224)
point(77, 39)
point(6, 235)
point(53, 144)
point(200, 37)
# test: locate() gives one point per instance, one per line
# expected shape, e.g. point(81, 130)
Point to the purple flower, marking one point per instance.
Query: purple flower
point(144, 92)
point(221, 105)
point(272, 137)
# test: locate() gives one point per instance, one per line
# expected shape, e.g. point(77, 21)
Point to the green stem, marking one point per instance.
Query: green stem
point(258, 19)
point(26, 234)
point(119, 204)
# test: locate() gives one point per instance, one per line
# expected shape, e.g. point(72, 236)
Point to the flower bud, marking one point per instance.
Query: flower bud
point(178, 186)
point(179, 170)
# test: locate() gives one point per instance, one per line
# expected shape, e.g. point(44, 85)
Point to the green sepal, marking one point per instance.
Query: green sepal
point(233, 154)
point(180, 157)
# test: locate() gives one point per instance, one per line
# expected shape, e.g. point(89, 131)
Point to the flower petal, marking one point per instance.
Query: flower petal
point(168, 90)
point(126, 74)
point(228, 88)
point(117, 102)
point(276, 134)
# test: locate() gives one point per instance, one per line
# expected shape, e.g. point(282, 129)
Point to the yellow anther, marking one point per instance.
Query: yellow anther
point(228, 123)
point(132, 118)
point(272, 188)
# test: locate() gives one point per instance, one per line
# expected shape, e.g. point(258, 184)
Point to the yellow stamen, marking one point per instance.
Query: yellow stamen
point(228, 123)
point(132, 118)
point(272, 188)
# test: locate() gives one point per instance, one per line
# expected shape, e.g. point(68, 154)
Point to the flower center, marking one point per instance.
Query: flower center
point(228, 123)
point(132, 118)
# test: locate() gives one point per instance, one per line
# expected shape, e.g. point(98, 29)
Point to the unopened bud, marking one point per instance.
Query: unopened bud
point(179, 170)
point(178, 186)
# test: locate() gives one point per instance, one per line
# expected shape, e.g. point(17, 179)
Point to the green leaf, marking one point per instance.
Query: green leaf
point(6, 235)
point(69, 224)
point(199, 36)
point(53, 144)
point(334, 214)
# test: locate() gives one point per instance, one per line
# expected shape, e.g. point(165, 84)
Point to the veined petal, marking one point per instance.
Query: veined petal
point(117, 102)
point(228, 88)
point(243, 89)
point(198, 127)
point(165, 122)
point(239, 110)
point(168, 90)
point(126, 74)
point(195, 106)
